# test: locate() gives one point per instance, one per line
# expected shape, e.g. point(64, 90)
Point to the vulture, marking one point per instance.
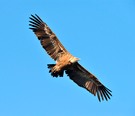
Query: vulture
point(66, 62)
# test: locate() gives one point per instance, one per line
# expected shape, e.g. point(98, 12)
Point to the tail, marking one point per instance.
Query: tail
point(55, 74)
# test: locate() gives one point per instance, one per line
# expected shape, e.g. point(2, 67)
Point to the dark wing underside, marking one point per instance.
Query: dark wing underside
point(88, 81)
point(48, 39)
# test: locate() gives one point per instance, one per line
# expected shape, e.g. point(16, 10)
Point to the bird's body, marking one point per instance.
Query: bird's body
point(66, 62)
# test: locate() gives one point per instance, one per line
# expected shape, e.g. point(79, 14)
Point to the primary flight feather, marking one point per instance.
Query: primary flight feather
point(66, 62)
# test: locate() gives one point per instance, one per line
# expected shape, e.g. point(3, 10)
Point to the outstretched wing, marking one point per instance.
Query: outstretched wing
point(88, 81)
point(48, 39)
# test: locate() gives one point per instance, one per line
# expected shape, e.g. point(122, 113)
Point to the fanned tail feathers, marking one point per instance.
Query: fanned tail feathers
point(55, 74)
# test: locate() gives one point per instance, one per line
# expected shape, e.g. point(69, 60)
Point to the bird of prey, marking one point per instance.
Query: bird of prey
point(66, 62)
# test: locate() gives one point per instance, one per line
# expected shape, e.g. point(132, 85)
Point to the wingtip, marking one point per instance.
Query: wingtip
point(103, 94)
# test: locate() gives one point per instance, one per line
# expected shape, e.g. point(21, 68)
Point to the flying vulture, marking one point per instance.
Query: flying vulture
point(66, 62)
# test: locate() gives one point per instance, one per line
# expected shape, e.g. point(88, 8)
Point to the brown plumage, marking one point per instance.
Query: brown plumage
point(65, 61)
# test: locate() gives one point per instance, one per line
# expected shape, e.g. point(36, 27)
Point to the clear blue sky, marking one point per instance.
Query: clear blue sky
point(100, 32)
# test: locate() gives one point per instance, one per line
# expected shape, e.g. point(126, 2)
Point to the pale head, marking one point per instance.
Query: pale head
point(74, 59)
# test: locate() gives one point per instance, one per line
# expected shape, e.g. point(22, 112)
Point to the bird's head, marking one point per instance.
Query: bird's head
point(74, 59)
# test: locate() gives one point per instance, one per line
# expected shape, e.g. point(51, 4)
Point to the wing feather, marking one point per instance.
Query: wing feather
point(88, 81)
point(48, 39)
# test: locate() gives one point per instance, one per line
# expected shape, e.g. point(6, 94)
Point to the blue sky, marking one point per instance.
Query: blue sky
point(100, 32)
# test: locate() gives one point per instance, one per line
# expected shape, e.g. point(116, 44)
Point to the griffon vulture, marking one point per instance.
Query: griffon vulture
point(66, 62)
